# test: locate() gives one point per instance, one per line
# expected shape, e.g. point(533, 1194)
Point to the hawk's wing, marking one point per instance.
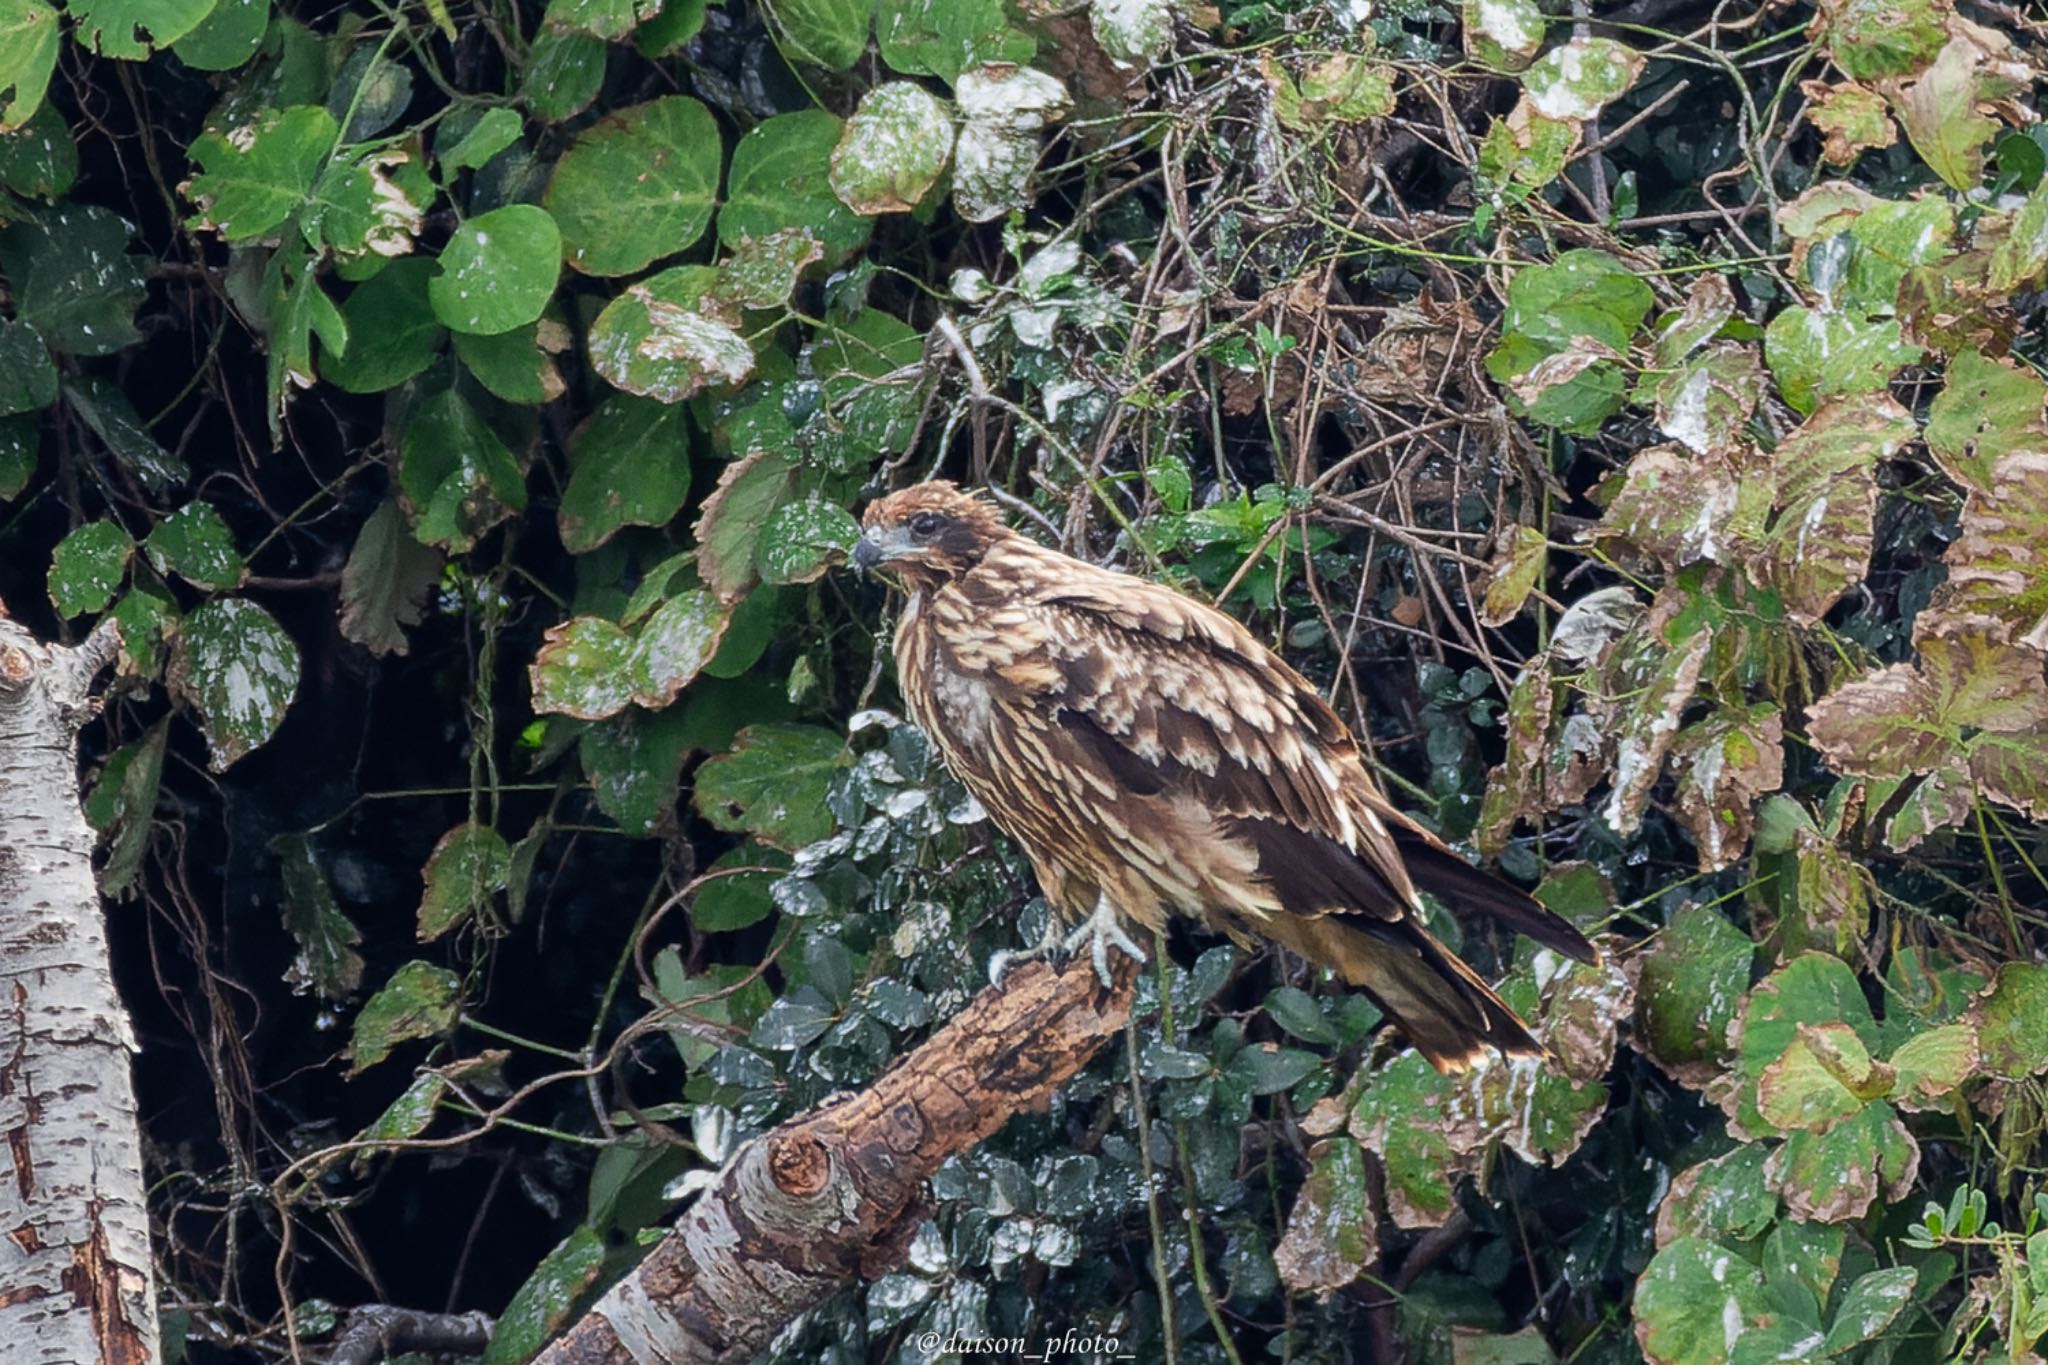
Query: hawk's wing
point(1173, 695)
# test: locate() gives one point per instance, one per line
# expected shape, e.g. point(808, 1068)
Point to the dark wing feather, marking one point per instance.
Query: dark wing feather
point(1458, 884)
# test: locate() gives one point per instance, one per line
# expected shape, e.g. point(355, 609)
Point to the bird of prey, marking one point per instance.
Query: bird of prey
point(1153, 758)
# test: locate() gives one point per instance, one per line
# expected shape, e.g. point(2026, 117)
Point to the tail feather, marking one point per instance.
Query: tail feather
point(1463, 887)
point(1441, 1005)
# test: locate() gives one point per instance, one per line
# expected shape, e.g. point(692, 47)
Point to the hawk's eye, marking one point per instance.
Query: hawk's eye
point(925, 525)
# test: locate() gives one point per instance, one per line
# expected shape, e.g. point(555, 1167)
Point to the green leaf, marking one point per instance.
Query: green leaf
point(772, 785)
point(1837, 1176)
point(393, 333)
point(1908, 718)
point(1816, 1083)
point(637, 186)
point(1870, 1305)
point(419, 1001)
point(28, 377)
point(665, 339)
point(548, 1300)
point(2012, 1023)
point(1503, 34)
point(1815, 354)
point(1694, 1300)
point(1813, 988)
point(384, 584)
point(122, 807)
point(1332, 1231)
point(1267, 1069)
point(146, 619)
point(1932, 1065)
point(407, 1116)
point(893, 151)
point(38, 160)
point(762, 272)
point(1997, 572)
point(1398, 1117)
point(1986, 409)
point(74, 279)
point(28, 54)
point(674, 645)
point(781, 177)
point(130, 28)
point(1003, 108)
point(18, 447)
point(634, 762)
point(1939, 114)
point(493, 131)
point(1295, 1010)
point(195, 543)
point(498, 271)
point(102, 406)
point(227, 37)
point(1582, 309)
point(255, 177)
point(2021, 257)
point(235, 665)
point(1132, 33)
point(580, 669)
point(513, 365)
point(631, 468)
point(728, 529)
point(609, 19)
point(803, 539)
point(731, 898)
point(87, 567)
point(1723, 1200)
point(470, 864)
point(827, 33)
point(457, 476)
point(564, 72)
point(1869, 39)
point(327, 961)
point(1580, 78)
point(1693, 979)
point(919, 38)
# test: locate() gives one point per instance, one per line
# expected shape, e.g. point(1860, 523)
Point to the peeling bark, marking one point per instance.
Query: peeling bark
point(75, 1283)
point(838, 1192)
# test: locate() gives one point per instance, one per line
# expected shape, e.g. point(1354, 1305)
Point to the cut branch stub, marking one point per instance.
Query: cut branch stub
point(838, 1192)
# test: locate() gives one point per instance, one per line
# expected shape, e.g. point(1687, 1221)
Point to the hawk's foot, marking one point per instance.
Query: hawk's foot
point(1101, 931)
point(1001, 961)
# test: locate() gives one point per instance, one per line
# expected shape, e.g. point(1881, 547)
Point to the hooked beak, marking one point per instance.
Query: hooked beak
point(867, 553)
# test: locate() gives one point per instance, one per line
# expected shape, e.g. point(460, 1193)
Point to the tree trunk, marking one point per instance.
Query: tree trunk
point(75, 1282)
point(839, 1192)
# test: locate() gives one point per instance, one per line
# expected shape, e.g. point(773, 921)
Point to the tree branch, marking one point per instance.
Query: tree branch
point(838, 1192)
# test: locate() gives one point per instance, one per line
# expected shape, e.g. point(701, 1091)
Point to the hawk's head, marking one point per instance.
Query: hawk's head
point(927, 534)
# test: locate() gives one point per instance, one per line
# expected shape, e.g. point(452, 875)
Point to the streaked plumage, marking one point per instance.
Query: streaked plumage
point(1151, 756)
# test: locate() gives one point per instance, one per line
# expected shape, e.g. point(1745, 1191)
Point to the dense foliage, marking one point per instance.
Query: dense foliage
point(1633, 420)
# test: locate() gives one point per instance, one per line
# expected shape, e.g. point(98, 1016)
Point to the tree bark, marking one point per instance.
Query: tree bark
point(839, 1192)
point(75, 1281)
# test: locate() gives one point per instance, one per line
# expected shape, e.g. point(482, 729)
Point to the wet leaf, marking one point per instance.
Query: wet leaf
point(74, 279)
point(772, 784)
point(469, 865)
point(393, 332)
point(802, 539)
point(1909, 718)
point(548, 1300)
point(728, 530)
point(256, 176)
point(893, 151)
point(1132, 32)
point(636, 186)
point(1933, 1064)
point(674, 645)
point(498, 270)
point(1985, 410)
point(1851, 120)
point(580, 669)
point(1814, 355)
point(1723, 1200)
point(1997, 582)
point(1332, 1234)
point(667, 339)
point(28, 54)
point(762, 272)
point(326, 962)
point(87, 567)
point(1647, 729)
point(1836, 1176)
point(634, 762)
point(1725, 763)
point(1695, 1299)
point(123, 805)
point(1580, 78)
point(1004, 109)
point(1939, 114)
point(195, 543)
point(631, 467)
point(781, 177)
point(419, 1001)
point(1516, 571)
point(827, 33)
point(1871, 1304)
point(2011, 1021)
point(1503, 34)
point(1875, 38)
point(386, 581)
point(1705, 404)
point(1820, 1079)
point(458, 478)
point(235, 665)
point(919, 38)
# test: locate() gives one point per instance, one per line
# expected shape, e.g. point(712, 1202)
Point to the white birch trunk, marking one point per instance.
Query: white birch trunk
point(75, 1281)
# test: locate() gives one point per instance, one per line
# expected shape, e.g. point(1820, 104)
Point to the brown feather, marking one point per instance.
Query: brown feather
point(1148, 751)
